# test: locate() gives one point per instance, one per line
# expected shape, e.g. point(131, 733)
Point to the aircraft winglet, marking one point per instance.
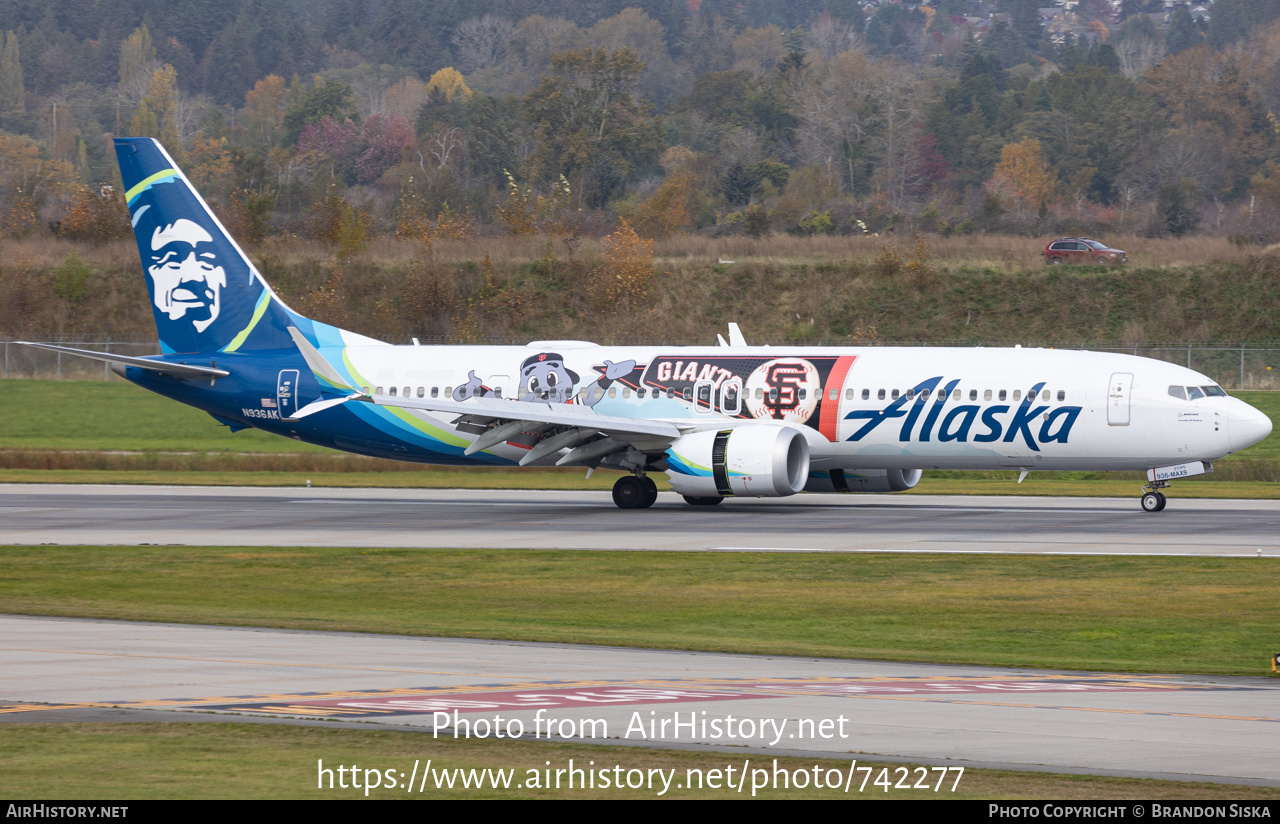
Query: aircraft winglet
point(735, 336)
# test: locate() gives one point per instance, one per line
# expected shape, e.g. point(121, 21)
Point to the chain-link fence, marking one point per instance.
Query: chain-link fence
point(1233, 366)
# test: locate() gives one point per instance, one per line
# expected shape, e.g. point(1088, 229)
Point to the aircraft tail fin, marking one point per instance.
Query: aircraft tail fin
point(206, 294)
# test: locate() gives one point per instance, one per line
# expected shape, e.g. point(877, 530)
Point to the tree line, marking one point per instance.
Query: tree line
point(348, 117)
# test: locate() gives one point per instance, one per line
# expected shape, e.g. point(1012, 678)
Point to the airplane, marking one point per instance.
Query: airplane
point(729, 420)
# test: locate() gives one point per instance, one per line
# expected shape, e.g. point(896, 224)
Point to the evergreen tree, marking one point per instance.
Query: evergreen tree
point(1005, 45)
point(13, 93)
point(333, 100)
point(1233, 19)
point(490, 145)
point(1183, 32)
point(1026, 22)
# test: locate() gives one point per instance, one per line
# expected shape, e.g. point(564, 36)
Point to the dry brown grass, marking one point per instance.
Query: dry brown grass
point(781, 287)
point(1008, 253)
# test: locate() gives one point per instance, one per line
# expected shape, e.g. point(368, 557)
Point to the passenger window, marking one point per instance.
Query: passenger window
point(435, 391)
point(641, 392)
point(833, 394)
point(1017, 394)
point(894, 394)
point(379, 391)
point(365, 389)
point(955, 396)
point(407, 391)
point(1062, 395)
point(671, 392)
point(422, 391)
point(803, 393)
point(1044, 396)
point(848, 394)
point(866, 394)
point(759, 393)
point(497, 391)
point(986, 396)
point(973, 394)
point(613, 391)
point(626, 393)
point(773, 395)
point(393, 392)
point(448, 391)
point(1194, 393)
point(911, 394)
point(1003, 394)
point(881, 395)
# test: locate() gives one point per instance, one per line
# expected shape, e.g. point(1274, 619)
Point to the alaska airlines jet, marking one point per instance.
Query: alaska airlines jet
point(720, 421)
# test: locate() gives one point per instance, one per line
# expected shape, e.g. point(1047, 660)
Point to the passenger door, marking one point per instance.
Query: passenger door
point(1118, 398)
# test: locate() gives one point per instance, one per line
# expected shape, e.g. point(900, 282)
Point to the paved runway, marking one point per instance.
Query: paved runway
point(237, 516)
point(1178, 727)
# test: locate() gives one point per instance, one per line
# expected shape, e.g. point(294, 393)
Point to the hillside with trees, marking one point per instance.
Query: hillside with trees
point(343, 122)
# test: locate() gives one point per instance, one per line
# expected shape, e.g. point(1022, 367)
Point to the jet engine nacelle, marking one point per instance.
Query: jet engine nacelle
point(862, 480)
point(751, 461)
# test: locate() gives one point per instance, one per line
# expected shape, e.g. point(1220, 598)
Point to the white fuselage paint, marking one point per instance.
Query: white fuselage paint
point(1153, 428)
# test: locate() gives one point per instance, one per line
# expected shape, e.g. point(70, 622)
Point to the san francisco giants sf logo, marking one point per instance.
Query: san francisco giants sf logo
point(783, 380)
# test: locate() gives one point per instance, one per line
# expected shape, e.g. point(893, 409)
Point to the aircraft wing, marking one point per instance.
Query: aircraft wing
point(587, 435)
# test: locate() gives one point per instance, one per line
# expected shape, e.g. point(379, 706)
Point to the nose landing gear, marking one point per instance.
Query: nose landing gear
point(635, 492)
point(1152, 499)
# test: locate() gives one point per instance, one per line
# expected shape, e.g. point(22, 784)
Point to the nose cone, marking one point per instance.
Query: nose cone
point(1245, 425)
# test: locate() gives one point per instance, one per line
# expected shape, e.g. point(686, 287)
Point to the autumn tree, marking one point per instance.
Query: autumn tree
point(589, 124)
point(1023, 177)
point(137, 65)
point(264, 108)
point(625, 270)
point(26, 172)
point(668, 210)
point(450, 82)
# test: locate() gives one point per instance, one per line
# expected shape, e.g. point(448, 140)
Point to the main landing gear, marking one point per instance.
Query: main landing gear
point(1152, 499)
point(635, 492)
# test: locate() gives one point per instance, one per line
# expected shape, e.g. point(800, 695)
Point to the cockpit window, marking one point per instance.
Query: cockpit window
point(1194, 393)
point(1214, 391)
point(1179, 392)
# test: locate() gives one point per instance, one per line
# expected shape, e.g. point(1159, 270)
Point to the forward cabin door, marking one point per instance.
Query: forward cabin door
point(1118, 395)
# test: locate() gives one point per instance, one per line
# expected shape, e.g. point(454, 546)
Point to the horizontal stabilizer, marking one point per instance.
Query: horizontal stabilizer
point(320, 406)
point(177, 370)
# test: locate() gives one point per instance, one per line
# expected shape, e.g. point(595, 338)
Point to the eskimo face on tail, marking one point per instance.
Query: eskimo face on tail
point(186, 276)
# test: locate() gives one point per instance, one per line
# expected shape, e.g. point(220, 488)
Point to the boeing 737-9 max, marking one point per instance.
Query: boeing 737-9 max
point(726, 420)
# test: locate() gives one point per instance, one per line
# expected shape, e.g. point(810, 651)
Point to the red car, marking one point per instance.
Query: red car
point(1082, 250)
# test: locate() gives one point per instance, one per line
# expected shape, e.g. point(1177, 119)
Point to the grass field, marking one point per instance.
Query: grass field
point(258, 761)
point(1203, 615)
point(114, 432)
